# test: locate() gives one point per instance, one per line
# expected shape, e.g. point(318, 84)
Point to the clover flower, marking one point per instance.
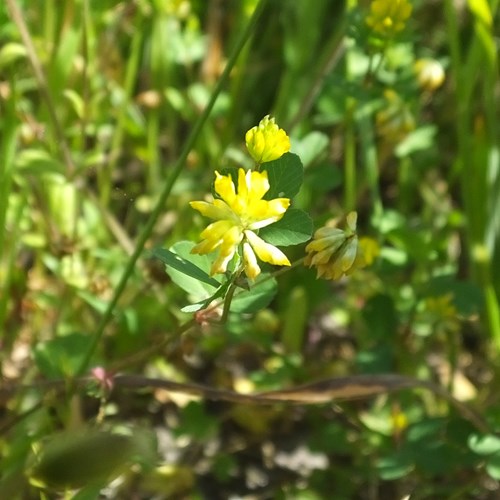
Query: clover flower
point(430, 73)
point(238, 215)
point(395, 121)
point(388, 17)
point(336, 252)
point(266, 141)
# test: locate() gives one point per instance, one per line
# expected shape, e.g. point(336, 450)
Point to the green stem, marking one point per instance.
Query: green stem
point(169, 183)
point(369, 150)
point(8, 335)
point(405, 179)
point(227, 302)
point(7, 151)
point(153, 151)
point(349, 158)
point(117, 139)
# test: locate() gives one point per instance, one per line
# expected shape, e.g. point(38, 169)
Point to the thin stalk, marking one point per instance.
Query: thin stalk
point(169, 183)
point(405, 184)
point(369, 150)
point(7, 336)
point(7, 152)
point(18, 18)
point(153, 127)
point(105, 173)
point(349, 158)
point(227, 302)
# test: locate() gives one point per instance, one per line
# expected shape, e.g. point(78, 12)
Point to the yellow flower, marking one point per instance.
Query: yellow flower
point(430, 73)
point(336, 252)
point(441, 313)
point(388, 17)
point(395, 121)
point(266, 141)
point(442, 306)
point(238, 215)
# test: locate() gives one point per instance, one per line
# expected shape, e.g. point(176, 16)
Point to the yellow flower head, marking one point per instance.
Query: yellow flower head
point(430, 73)
point(395, 121)
point(388, 17)
point(238, 214)
point(266, 141)
point(442, 306)
point(335, 252)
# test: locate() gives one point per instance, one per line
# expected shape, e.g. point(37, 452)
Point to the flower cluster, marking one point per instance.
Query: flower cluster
point(266, 141)
point(240, 209)
point(395, 121)
point(388, 17)
point(336, 252)
point(239, 214)
point(430, 74)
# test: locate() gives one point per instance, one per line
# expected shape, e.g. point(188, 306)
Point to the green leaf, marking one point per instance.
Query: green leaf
point(261, 292)
point(310, 147)
point(380, 317)
point(394, 467)
point(62, 356)
point(10, 53)
point(487, 444)
point(295, 227)
point(219, 294)
point(420, 139)
point(481, 11)
point(196, 423)
point(493, 466)
point(285, 176)
point(37, 162)
point(467, 296)
point(181, 260)
point(72, 460)
point(323, 177)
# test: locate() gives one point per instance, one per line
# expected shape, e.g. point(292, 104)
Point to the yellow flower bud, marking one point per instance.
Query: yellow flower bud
point(336, 252)
point(266, 141)
point(388, 17)
point(395, 121)
point(430, 74)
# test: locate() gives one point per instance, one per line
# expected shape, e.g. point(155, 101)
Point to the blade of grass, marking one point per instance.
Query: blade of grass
point(7, 151)
point(118, 133)
point(370, 160)
point(169, 183)
point(18, 18)
point(475, 149)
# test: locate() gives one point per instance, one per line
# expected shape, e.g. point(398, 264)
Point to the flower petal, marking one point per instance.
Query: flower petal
point(258, 184)
point(228, 247)
point(264, 212)
point(218, 209)
point(224, 187)
point(265, 251)
point(252, 269)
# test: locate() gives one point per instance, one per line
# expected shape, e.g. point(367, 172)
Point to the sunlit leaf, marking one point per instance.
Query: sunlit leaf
point(285, 176)
point(295, 227)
